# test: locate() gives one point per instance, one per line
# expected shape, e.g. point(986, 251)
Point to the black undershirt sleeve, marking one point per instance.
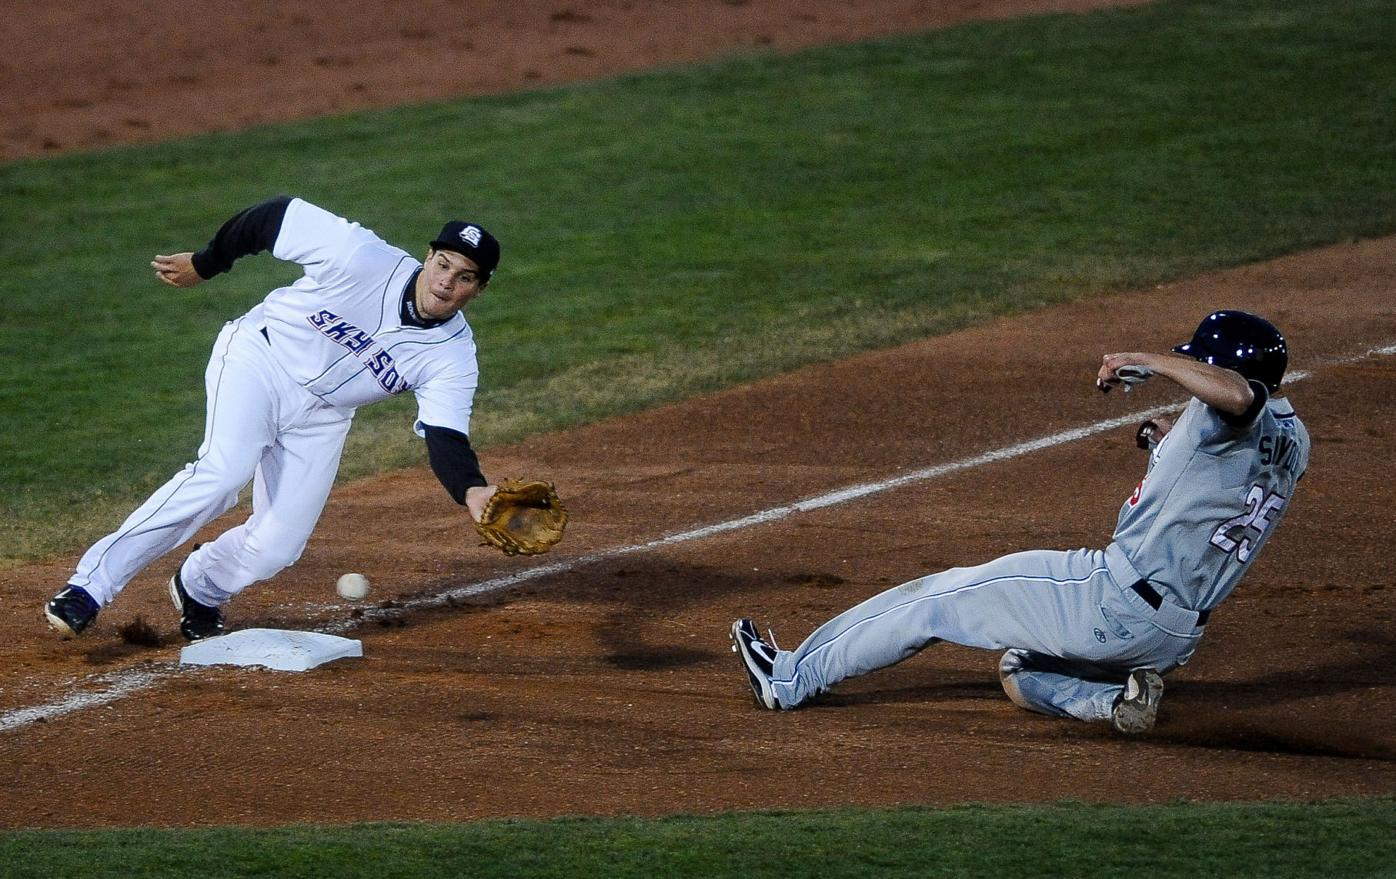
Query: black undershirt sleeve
point(250, 231)
point(453, 461)
point(1262, 396)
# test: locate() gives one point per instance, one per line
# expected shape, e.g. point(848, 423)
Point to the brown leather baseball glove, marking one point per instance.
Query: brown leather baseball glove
point(523, 517)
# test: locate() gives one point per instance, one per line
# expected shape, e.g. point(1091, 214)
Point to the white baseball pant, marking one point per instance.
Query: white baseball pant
point(262, 427)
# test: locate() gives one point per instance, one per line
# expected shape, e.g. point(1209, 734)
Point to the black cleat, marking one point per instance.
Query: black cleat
point(71, 611)
point(197, 621)
point(758, 658)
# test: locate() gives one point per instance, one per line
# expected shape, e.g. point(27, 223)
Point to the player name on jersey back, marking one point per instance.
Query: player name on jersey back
point(1279, 450)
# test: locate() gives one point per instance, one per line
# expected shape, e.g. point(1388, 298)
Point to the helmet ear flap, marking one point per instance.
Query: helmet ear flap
point(1242, 341)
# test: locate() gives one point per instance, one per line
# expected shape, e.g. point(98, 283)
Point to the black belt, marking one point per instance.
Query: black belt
point(263, 331)
point(1150, 594)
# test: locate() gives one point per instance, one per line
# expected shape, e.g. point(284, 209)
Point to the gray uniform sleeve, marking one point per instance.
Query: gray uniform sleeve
point(1247, 418)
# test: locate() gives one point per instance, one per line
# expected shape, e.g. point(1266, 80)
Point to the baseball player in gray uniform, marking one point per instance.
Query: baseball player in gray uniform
point(1090, 633)
point(365, 322)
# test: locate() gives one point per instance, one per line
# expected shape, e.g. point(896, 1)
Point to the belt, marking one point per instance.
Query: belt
point(263, 331)
point(1150, 594)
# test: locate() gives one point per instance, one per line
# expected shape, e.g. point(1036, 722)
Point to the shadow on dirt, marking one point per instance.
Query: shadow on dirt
point(1227, 734)
point(1289, 685)
point(647, 598)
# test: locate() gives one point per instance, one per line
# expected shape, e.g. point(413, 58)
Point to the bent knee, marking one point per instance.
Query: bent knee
point(219, 477)
point(265, 562)
point(1011, 664)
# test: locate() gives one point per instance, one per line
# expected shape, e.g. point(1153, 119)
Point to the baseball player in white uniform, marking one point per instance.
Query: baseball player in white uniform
point(1090, 633)
point(366, 321)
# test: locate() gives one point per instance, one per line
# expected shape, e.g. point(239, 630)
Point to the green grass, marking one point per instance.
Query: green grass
point(1339, 838)
point(679, 231)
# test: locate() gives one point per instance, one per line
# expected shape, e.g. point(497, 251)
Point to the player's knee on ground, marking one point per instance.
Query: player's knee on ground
point(1011, 664)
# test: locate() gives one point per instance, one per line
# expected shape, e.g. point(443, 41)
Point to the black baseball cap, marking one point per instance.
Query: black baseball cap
point(470, 240)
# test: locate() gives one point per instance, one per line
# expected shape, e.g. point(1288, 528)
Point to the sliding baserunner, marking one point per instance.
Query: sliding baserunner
point(1089, 634)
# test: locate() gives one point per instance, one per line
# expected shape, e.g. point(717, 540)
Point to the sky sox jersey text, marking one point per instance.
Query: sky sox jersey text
point(362, 346)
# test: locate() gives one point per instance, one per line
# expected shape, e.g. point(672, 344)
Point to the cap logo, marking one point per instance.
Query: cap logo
point(471, 235)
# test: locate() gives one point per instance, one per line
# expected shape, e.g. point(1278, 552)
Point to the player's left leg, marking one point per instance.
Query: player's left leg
point(289, 492)
point(241, 390)
point(1015, 600)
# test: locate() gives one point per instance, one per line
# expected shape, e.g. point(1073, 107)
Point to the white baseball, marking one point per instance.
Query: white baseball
point(352, 586)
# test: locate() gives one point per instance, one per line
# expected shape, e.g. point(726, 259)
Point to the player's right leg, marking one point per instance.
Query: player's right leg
point(292, 484)
point(237, 429)
point(1055, 687)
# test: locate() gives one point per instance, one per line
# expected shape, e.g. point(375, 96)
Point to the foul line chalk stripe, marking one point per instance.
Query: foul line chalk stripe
point(110, 688)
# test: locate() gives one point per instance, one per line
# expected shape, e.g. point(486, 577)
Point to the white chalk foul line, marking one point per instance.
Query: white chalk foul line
point(773, 514)
point(110, 688)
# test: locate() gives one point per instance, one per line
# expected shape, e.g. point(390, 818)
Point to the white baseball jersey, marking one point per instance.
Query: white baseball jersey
point(338, 332)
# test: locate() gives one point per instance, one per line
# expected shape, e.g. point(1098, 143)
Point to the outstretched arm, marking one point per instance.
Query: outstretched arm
point(1223, 389)
point(250, 231)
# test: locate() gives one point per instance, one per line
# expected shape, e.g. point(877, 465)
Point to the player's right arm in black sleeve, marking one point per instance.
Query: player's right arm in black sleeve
point(249, 231)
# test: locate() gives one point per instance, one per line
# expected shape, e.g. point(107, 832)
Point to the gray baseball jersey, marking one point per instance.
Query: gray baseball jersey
point(1182, 529)
point(1074, 623)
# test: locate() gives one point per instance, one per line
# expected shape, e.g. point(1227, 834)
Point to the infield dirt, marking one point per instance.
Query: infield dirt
point(608, 688)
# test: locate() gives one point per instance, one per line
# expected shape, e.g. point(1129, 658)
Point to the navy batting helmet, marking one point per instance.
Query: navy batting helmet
point(1241, 341)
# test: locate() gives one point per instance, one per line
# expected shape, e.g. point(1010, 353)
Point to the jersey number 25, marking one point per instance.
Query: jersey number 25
point(1262, 509)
